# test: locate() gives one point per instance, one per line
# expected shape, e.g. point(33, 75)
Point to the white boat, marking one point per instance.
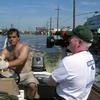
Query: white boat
point(10, 90)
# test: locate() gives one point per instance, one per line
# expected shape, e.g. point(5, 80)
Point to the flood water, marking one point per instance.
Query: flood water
point(36, 42)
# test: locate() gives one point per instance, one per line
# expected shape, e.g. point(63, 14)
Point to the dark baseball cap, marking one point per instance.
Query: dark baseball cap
point(83, 32)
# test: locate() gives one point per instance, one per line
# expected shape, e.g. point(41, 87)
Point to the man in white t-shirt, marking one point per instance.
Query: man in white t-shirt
point(75, 74)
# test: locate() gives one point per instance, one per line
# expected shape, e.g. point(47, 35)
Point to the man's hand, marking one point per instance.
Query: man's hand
point(51, 81)
point(3, 64)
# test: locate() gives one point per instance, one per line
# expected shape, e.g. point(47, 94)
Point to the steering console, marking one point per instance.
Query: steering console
point(10, 73)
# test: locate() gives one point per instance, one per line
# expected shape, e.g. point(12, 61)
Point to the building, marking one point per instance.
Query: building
point(0, 31)
point(41, 30)
point(94, 22)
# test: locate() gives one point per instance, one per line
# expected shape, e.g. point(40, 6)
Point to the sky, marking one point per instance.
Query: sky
point(29, 14)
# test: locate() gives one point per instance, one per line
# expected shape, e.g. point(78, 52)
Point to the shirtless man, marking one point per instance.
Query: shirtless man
point(17, 56)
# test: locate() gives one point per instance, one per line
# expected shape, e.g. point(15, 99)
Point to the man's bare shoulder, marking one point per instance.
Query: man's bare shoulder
point(23, 48)
point(4, 50)
point(25, 45)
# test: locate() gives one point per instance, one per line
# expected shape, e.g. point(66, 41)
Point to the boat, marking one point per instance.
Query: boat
point(13, 87)
point(10, 89)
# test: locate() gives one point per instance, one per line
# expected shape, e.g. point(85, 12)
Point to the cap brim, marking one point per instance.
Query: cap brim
point(71, 33)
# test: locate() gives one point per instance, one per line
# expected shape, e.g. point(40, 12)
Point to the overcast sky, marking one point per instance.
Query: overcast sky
point(28, 14)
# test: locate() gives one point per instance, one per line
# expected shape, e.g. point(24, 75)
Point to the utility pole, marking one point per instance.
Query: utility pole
point(57, 18)
point(50, 24)
point(74, 14)
point(12, 26)
point(47, 27)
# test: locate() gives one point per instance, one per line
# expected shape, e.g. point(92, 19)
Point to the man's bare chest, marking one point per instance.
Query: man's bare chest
point(14, 54)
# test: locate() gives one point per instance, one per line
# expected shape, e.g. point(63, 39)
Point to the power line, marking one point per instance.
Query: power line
point(88, 13)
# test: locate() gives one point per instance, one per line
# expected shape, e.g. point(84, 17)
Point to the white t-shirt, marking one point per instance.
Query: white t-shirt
point(75, 76)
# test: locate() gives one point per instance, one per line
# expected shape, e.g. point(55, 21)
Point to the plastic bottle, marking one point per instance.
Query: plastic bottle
point(22, 93)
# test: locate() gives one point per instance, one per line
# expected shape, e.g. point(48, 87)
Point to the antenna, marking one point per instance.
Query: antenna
point(50, 24)
point(57, 18)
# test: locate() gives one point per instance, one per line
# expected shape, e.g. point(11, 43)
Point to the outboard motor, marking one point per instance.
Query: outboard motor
point(38, 64)
point(40, 73)
point(50, 42)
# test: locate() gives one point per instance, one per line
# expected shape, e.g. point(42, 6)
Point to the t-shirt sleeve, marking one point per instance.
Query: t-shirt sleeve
point(60, 73)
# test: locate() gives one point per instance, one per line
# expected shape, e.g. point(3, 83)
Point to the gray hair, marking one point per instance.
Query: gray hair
point(87, 44)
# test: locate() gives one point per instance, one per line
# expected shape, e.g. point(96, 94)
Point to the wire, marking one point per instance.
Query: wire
point(88, 13)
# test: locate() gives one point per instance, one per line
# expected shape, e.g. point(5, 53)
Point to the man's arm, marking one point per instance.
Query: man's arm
point(4, 53)
point(58, 75)
point(3, 64)
point(22, 57)
point(19, 61)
